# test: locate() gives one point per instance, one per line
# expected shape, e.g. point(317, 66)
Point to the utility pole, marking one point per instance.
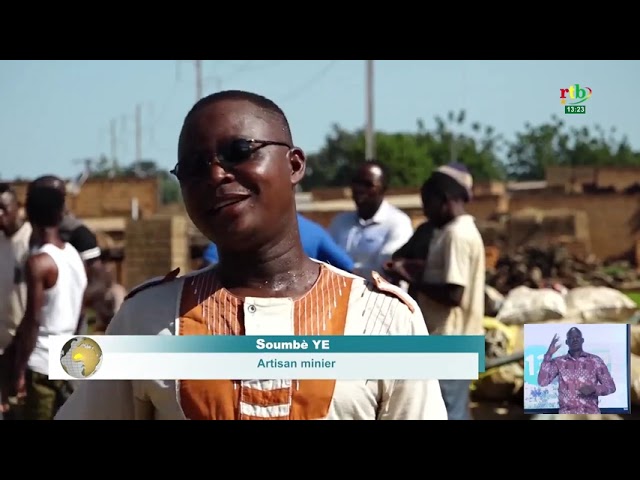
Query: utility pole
point(370, 139)
point(114, 146)
point(123, 142)
point(138, 133)
point(198, 64)
point(114, 142)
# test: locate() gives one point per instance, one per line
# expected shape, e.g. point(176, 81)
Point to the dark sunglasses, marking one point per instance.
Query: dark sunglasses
point(229, 154)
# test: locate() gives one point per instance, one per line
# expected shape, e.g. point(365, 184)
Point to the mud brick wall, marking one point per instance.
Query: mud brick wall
point(604, 177)
point(109, 197)
point(619, 178)
point(540, 228)
point(612, 220)
point(565, 176)
point(154, 247)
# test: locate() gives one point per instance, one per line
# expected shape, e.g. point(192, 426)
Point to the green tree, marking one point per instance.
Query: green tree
point(553, 143)
point(410, 156)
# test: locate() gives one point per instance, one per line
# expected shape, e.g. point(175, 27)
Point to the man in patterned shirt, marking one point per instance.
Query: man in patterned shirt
point(583, 377)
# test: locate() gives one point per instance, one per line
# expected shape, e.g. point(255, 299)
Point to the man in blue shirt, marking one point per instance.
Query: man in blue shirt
point(316, 242)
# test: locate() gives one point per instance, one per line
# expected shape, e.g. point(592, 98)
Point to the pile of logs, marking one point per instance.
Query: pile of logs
point(536, 267)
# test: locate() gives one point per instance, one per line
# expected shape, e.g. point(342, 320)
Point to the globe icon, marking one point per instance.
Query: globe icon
point(81, 357)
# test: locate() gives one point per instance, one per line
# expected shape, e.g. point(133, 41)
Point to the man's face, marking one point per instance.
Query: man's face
point(367, 187)
point(8, 212)
point(574, 340)
point(433, 207)
point(241, 204)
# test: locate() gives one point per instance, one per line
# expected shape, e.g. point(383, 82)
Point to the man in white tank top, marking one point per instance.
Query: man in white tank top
point(56, 281)
point(75, 232)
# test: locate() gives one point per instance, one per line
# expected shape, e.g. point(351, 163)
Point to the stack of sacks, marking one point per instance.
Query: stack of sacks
point(599, 305)
point(532, 305)
point(579, 305)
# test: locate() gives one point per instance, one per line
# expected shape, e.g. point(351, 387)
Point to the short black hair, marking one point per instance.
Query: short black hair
point(48, 181)
point(263, 103)
point(45, 206)
point(6, 188)
point(574, 329)
point(383, 168)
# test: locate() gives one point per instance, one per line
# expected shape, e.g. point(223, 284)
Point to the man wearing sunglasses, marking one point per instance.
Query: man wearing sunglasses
point(372, 233)
point(238, 169)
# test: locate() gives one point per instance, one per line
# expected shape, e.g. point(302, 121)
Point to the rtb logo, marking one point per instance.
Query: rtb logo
point(575, 94)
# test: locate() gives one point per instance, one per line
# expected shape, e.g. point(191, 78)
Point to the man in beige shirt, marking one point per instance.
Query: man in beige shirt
point(450, 283)
point(15, 234)
point(238, 169)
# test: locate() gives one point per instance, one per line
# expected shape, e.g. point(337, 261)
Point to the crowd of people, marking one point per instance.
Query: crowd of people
point(51, 276)
point(238, 169)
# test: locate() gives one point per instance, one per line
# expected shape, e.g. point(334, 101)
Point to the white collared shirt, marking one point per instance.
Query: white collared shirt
point(372, 242)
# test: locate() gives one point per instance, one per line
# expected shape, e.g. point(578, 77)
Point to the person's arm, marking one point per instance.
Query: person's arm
point(606, 385)
point(400, 234)
point(41, 274)
point(408, 262)
point(404, 252)
point(548, 371)
point(417, 246)
point(86, 243)
point(411, 399)
point(457, 274)
point(331, 253)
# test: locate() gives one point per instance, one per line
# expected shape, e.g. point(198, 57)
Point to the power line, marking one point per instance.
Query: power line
point(197, 64)
point(163, 109)
point(309, 83)
point(251, 66)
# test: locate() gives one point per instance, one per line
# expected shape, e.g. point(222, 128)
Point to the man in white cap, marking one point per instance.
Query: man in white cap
point(450, 283)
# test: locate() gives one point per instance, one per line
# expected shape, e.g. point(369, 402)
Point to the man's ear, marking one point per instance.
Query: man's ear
point(298, 163)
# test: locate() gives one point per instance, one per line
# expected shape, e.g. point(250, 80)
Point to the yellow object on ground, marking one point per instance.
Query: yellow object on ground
point(500, 383)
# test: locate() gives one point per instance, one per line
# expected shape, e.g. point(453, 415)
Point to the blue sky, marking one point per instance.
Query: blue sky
point(55, 113)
